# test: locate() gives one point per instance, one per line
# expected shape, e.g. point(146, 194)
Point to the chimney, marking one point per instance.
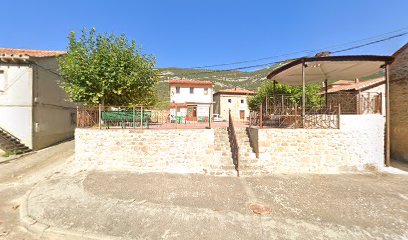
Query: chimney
point(322, 54)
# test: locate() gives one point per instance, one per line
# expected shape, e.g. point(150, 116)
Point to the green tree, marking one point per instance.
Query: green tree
point(109, 70)
point(295, 93)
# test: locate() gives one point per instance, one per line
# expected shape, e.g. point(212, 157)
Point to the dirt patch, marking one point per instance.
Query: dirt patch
point(259, 209)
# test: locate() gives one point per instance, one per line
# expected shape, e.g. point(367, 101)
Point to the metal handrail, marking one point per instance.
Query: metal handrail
point(233, 142)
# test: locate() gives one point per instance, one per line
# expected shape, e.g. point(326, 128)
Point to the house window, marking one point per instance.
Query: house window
point(191, 90)
point(229, 100)
point(205, 91)
point(242, 100)
point(2, 81)
point(177, 90)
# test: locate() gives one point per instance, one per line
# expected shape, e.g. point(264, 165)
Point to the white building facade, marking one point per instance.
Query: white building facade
point(191, 100)
point(33, 108)
point(234, 99)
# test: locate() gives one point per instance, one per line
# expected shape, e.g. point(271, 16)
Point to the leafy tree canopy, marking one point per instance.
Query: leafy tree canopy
point(109, 70)
point(313, 99)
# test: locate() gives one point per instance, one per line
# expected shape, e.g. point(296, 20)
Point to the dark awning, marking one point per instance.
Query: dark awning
point(319, 69)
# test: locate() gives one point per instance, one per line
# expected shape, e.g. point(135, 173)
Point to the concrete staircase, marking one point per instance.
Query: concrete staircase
point(223, 153)
point(249, 164)
point(10, 143)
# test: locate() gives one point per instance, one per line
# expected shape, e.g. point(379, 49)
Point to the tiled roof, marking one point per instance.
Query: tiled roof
point(344, 85)
point(236, 91)
point(400, 50)
point(190, 82)
point(29, 52)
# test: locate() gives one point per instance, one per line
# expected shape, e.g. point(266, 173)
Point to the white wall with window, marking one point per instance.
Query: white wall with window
point(237, 103)
point(190, 94)
point(16, 107)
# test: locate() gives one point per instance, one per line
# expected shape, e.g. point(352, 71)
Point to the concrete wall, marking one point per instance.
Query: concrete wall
point(399, 106)
point(16, 101)
point(146, 150)
point(358, 143)
point(54, 115)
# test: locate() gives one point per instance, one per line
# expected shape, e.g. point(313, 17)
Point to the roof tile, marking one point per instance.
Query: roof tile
point(29, 52)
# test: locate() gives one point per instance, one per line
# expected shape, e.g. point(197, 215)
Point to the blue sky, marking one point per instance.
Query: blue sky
point(196, 33)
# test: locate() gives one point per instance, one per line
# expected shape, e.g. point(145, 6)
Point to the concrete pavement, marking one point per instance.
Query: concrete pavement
point(45, 195)
point(19, 175)
point(126, 205)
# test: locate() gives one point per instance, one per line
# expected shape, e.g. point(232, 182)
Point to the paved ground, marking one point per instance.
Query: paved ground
point(170, 206)
point(19, 176)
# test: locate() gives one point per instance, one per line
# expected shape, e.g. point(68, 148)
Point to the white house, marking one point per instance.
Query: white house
point(33, 108)
point(190, 99)
point(234, 99)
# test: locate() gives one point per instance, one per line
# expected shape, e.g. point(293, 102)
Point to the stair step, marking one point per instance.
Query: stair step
point(10, 143)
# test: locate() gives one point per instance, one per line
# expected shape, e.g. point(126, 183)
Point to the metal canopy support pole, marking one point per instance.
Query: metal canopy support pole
point(303, 94)
point(387, 117)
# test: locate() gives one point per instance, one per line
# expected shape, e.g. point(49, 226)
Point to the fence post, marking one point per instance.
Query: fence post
point(176, 117)
point(141, 117)
point(260, 117)
point(338, 117)
point(134, 122)
point(209, 116)
point(296, 115)
point(100, 116)
point(77, 116)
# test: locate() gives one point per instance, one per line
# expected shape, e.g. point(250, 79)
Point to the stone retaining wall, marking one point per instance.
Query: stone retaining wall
point(399, 105)
point(145, 150)
point(358, 144)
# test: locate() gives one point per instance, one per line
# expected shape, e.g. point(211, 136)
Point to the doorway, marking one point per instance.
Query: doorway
point(242, 114)
point(192, 113)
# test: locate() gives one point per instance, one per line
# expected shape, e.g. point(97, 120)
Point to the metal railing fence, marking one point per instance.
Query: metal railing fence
point(114, 117)
point(233, 142)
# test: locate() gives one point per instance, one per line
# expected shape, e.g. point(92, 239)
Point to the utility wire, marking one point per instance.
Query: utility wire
point(277, 62)
point(298, 52)
point(370, 43)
